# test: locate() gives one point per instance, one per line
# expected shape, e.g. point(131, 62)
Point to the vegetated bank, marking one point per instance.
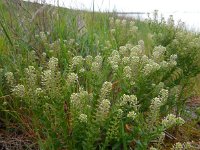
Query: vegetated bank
point(80, 80)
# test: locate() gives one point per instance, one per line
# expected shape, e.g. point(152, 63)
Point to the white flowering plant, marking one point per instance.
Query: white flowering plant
point(121, 102)
point(96, 86)
point(184, 45)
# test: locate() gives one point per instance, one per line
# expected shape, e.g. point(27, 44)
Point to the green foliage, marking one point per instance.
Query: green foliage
point(88, 81)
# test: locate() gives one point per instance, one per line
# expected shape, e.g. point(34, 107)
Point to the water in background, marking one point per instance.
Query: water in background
point(191, 19)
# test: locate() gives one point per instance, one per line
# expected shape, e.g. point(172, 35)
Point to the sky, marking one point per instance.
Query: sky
point(186, 10)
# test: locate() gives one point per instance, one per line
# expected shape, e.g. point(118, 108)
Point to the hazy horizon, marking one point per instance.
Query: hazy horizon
point(187, 11)
point(128, 5)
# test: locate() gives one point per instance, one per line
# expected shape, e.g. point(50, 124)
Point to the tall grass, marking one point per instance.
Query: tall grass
point(78, 80)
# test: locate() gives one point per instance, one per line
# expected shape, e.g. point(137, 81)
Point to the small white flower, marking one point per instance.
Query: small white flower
point(19, 90)
point(5, 103)
point(31, 75)
point(75, 99)
point(96, 67)
point(133, 29)
point(178, 146)
point(72, 78)
point(164, 64)
point(123, 50)
point(120, 112)
point(136, 51)
point(158, 53)
point(9, 78)
point(117, 22)
point(38, 91)
point(127, 72)
point(172, 60)
point(153, 148)
point(171, 120)
point(151, 67)
point(53, 63)
point(129, 100)
point(77, 60)
point(106, 89)
point(97, 64)
point(83, 118)
point(141, 43)
point(82, 70)
point(132, 115)
point(46, 78)
point(134, 61)
point(144, 59)
point(126, 60)
point(98, 59)
point(164, 95)
point(124, 22)
point(114, 60)
point(155, 104)
point(111, 19)
point(44, 55)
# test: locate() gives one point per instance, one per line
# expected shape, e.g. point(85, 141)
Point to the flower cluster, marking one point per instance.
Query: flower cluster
point(133, 28)
point(153, 148)
point(132, 115)
point(97, 64)
point(134, 62)
point(171, 120)
point(43, 36)
point(19, 90)
point(129, 100)
point(75, 99)
point(164, 95)
point(77, 61)
point(144, 59)
point(111, 19)
point(9, 78)
point(83, 118)
point(126, 61)
point(31, 75)
point(72, 78)
point(124, 51)
point(38, 91)
point(118, 22)
point(127, 72)
point(114, 60)
point(138, 62)
point(182, 146)
point(81, 99)
point(155, 104)
point(47, 78)
point(172, 61)
point(53, 64)
point(137, 50)
point(158, 53)
point(151, 67)
point(106, 89)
